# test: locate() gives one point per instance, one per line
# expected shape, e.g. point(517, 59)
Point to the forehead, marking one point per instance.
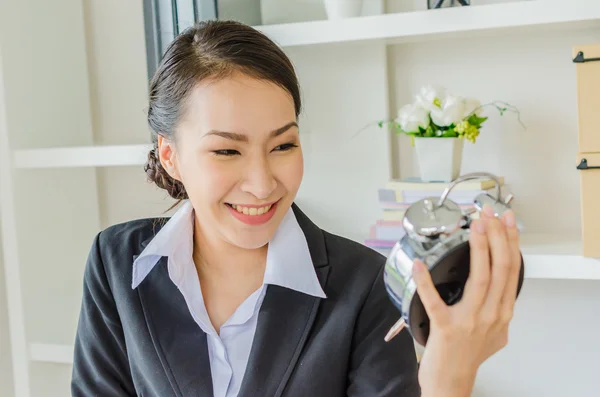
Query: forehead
point(238, 103)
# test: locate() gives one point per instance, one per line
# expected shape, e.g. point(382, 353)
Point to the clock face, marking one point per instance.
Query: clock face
point(447, 3)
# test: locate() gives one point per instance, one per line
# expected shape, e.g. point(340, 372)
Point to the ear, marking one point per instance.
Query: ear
point(168, 157)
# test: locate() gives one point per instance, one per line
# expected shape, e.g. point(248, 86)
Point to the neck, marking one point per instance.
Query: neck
point(211, 260)
point(228, 275)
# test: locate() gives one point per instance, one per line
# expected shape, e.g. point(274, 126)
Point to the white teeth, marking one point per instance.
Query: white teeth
point(252, 211)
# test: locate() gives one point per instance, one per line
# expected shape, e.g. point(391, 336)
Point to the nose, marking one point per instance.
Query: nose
point(259, 181)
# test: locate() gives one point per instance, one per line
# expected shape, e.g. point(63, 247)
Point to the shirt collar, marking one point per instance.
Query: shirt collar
point(176, 233)
point(289, 263)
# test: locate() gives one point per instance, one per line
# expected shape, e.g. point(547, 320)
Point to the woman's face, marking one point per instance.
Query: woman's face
point(237, 152)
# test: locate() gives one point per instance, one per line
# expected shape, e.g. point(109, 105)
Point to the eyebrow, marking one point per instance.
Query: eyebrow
point(234, 136)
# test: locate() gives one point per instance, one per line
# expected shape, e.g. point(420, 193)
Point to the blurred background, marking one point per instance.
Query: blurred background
point(73, 139)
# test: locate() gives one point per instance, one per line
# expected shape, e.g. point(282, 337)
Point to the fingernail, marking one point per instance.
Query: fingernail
point(509, 218)
point(395, 330)
point(488, 211)
point(479, 226)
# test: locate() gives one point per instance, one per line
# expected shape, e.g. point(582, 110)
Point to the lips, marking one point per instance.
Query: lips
point(252, 214)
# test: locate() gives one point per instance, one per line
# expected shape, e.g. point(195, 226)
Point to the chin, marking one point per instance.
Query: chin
point(256, 236)
point(251, 239)
point(252, 245)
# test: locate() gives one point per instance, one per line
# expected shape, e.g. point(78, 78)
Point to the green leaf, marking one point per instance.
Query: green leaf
point(476, 121)
point(450, 133)
point(380, 124)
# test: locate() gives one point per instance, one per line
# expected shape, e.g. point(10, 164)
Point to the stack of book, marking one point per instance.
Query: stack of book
point(398, 195)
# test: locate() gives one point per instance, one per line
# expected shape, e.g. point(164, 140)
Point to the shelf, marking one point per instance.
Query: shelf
point(84, 156)
point(60, 354)
point(439, 23)
point(553, 257)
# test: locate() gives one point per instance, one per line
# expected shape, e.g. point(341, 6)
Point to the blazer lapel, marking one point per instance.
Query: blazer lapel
point(179, 341)
point(284, 323)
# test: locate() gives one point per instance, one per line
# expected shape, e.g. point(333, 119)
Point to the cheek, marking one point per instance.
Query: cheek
point(290, 171)
point(207, 180)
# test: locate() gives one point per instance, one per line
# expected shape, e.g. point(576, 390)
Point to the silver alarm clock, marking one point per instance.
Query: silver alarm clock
point(437, 233)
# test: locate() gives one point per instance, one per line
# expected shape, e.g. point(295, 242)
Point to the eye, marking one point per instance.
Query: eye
point(226, 152)
point(285, 147)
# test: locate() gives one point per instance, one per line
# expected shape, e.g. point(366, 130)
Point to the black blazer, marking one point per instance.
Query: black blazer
point(144, 342)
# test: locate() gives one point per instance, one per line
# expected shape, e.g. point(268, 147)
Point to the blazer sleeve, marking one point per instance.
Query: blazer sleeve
point(100, 364)
point(379, 368)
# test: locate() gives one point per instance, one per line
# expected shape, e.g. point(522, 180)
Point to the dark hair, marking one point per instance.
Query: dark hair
point(209, 49)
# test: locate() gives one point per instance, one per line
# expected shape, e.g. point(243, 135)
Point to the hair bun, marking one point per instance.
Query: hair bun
point(158, 175)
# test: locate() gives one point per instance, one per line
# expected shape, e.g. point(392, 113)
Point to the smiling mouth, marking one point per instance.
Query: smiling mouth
point(251, 211)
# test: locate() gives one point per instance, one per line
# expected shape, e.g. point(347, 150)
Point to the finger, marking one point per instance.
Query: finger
point(436, 308)
point(512, 233)
point(478, 283)
point(501, 262)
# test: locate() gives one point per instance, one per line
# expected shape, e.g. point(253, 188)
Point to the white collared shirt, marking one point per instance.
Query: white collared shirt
point(288, 265)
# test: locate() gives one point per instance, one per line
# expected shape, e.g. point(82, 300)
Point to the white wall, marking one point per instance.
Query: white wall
point(342, 166)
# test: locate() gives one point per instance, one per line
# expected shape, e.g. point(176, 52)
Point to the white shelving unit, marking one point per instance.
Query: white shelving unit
point(91, 156)
point(12, 272)
point(59, 354)
point(441, 24)
point(391, 28)
point(493, 19)
point(557, 257)
point(547, 257)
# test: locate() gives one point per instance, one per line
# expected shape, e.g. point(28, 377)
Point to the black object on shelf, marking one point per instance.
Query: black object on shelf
point(580, 58)
point(439, 3)
point(583, 165)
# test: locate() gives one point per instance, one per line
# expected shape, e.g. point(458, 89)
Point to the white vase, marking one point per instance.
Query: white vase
point(439, 158)
point(340, 9)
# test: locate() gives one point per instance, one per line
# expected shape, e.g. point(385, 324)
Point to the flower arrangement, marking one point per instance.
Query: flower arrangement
point(438, 114)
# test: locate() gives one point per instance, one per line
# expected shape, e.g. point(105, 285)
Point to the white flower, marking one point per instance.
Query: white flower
point(431, 96)
point(471, 106)
point(450, 111)
point(413, 116)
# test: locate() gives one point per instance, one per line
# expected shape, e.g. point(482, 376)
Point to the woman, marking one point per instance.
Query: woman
point(239, 293)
